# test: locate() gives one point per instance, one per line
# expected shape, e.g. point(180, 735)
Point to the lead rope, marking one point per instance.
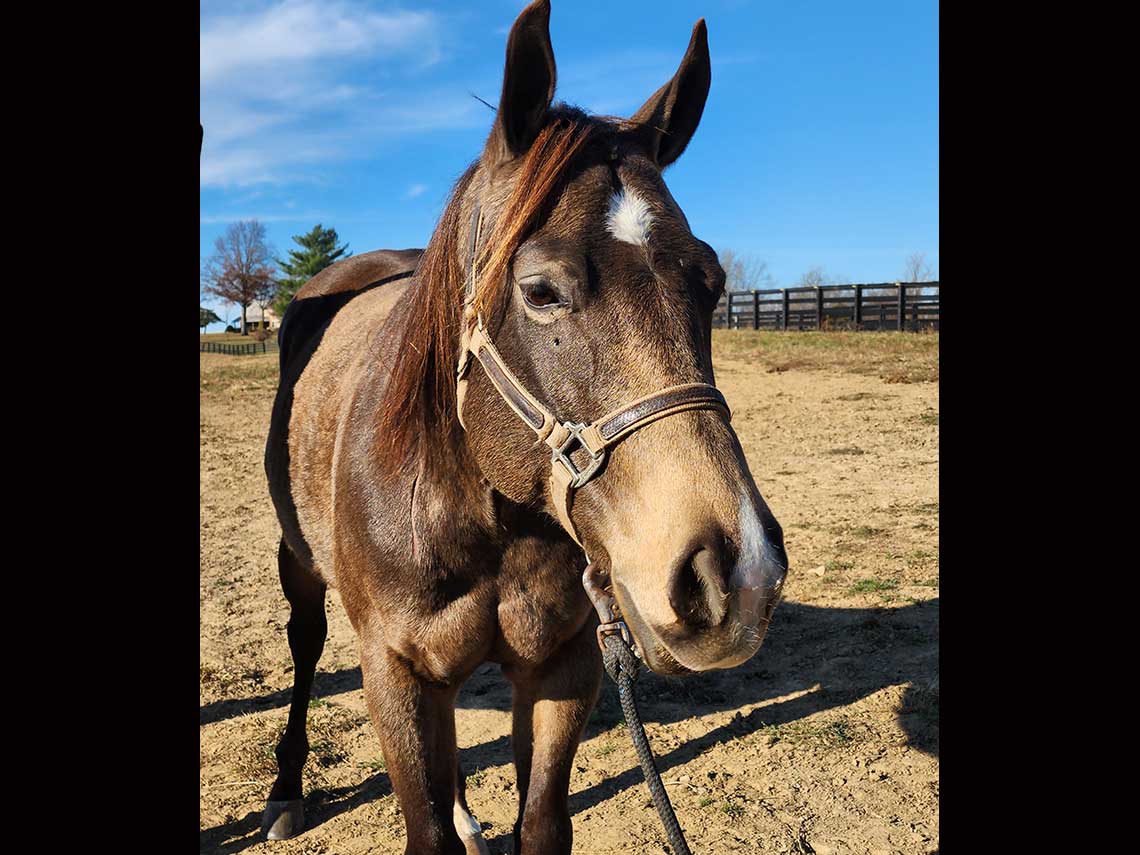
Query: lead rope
point(624, 666)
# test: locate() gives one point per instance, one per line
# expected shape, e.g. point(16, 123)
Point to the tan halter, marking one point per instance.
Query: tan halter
point(562, 436)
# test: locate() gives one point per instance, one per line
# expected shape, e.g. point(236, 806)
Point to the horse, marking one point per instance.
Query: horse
point(458, 431)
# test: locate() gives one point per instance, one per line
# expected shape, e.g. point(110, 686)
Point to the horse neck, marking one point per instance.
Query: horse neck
point(454, 512)
point(445, 459)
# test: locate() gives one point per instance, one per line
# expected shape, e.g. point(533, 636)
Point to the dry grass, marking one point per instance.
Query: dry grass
point(252, 374)
point(895, 357)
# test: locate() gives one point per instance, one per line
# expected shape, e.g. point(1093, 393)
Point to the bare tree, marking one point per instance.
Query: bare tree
point(744, 272)
point(817, 277)
point(916, 269)
point(264, 298)
point(241, 267)
point(812, 279)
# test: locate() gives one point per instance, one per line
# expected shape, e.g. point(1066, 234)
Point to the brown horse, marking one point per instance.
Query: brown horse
point(435, 511)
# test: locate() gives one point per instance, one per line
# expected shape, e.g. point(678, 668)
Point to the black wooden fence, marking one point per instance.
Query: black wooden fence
point(249, 349)
point(881, 306)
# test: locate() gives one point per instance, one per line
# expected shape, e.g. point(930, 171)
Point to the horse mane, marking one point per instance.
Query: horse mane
point(419, 398)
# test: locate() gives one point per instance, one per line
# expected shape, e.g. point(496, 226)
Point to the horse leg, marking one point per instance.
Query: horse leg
point(522, 721)
point(416, 722)
point(284, 815)
point(552, 704)
point(466, 826)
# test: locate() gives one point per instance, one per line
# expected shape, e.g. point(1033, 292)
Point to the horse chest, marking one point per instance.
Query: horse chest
point(538, 610)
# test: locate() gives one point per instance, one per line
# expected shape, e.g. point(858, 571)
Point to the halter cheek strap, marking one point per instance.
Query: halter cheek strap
point(562, 437)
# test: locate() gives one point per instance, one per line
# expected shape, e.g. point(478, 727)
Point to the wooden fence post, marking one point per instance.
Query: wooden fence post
point(784, 295)
point(818, 307)
point(755, 309)
point(902, 306)
point(858, 306)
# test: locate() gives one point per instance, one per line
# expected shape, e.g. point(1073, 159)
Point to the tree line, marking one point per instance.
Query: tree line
point(243, 271)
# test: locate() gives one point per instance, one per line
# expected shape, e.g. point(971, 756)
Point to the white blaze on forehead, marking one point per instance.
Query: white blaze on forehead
point(629, 218)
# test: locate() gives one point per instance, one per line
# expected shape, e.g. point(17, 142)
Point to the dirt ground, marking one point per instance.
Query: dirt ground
point(825, 742)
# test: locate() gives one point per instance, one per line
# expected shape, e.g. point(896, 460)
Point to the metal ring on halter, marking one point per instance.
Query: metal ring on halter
point(559, 455)
point(618, 628)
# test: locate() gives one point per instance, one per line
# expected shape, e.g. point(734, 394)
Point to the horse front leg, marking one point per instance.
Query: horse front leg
point(551, 706)
point(416, 723)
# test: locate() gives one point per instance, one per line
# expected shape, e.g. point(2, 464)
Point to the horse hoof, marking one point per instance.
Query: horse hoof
point(283, 820)
point(469, 831)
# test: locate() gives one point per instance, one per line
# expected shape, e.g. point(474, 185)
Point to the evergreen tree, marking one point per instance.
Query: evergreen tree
point(318, 251)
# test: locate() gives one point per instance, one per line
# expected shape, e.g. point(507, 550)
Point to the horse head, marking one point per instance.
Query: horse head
point(583, 270)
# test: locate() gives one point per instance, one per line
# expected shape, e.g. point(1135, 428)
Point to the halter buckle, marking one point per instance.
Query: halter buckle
point(560, 454)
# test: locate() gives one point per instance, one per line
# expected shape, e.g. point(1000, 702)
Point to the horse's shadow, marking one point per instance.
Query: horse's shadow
point(836, 655)
point(833, 656)
point(320, 806)
point(325, 684)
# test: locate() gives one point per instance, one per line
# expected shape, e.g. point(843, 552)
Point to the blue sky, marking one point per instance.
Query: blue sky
point(818, 145)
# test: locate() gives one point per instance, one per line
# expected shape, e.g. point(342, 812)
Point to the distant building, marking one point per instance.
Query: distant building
point(254, 319)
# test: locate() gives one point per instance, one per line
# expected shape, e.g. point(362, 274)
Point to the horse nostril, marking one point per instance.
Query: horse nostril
point(697, 589)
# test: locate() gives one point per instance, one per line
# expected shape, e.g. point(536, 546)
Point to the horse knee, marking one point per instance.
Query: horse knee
point(307, 630)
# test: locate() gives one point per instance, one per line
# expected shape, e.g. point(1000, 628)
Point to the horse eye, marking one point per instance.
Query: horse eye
point(540, 294)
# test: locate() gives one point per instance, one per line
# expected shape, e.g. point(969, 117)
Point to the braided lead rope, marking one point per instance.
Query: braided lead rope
point(623, 668)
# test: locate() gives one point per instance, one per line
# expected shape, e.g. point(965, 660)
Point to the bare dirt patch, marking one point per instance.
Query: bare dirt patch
point(825, 742)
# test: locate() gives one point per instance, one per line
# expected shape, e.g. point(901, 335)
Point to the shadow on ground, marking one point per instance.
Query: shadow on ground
point(838, 656)
point(320, 806)
point(325, 684)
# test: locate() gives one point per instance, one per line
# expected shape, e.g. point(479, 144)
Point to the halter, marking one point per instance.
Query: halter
point(563, 437)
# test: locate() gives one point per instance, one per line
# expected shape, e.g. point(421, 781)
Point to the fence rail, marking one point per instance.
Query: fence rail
point(872, 306)
point(249, 349)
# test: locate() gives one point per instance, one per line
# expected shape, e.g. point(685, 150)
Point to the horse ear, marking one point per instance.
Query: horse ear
point(528, 82)
point(671, 115)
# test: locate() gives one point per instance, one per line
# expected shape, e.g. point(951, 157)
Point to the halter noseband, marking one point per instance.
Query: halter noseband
point(561, 436)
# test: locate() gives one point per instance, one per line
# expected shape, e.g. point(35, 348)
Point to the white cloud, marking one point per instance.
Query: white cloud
point(415, 190)
point(288, 88)
point(303, 30)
